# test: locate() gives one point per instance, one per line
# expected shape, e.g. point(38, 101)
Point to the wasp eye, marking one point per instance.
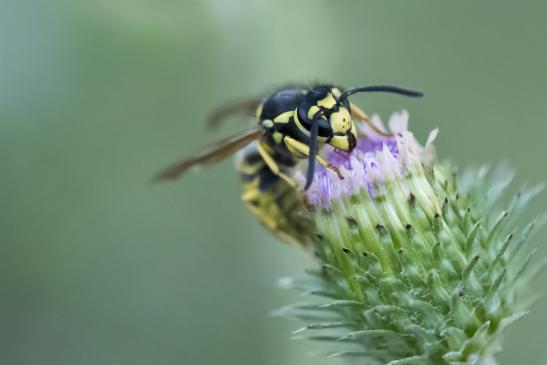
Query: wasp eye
point(325, 129)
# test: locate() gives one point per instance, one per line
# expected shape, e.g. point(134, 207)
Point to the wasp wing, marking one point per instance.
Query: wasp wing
point(246, 107)
point(218, 152)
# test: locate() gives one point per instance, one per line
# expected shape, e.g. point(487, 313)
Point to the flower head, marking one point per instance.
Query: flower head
point(376, 157)
point(419, 266)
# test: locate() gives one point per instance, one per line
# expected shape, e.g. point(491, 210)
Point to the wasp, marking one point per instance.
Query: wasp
point(292, 124)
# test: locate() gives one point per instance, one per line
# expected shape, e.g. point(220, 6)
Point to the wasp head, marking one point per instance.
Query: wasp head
point(344, 131)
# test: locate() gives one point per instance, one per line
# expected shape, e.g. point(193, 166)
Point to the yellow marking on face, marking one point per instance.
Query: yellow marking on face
point(267, 123)
point(340, 142)
point(327, 102)
point(336, 92)
point(314, 109)
point(341, 121)
point(284, 118)
point(278, 137)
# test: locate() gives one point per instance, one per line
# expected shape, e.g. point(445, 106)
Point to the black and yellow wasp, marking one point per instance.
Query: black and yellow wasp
point(293, 123)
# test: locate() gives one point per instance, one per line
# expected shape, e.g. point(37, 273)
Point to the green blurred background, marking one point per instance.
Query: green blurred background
point(97, 267)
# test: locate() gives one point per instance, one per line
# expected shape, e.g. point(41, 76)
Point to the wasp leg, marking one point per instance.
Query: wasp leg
point(272, 165)
point(359, 114)
point(304, 149)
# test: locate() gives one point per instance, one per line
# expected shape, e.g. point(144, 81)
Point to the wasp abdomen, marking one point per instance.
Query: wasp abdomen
point(277, 205)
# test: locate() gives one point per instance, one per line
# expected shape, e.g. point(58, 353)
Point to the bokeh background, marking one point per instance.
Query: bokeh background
point(97, 267)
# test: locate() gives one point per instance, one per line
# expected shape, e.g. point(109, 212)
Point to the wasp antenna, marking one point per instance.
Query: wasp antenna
point(381, 89)
point(313, 152)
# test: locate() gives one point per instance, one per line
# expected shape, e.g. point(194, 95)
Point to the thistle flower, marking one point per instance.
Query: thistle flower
point(419, 264)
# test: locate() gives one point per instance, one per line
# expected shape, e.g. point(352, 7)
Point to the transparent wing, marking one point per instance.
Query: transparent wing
point(245, 107)
point(218, 152)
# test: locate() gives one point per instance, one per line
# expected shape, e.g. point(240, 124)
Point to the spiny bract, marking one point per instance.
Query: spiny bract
point(419, 264)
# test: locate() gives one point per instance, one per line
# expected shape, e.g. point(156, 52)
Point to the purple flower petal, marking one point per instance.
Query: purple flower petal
point(374, 159)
